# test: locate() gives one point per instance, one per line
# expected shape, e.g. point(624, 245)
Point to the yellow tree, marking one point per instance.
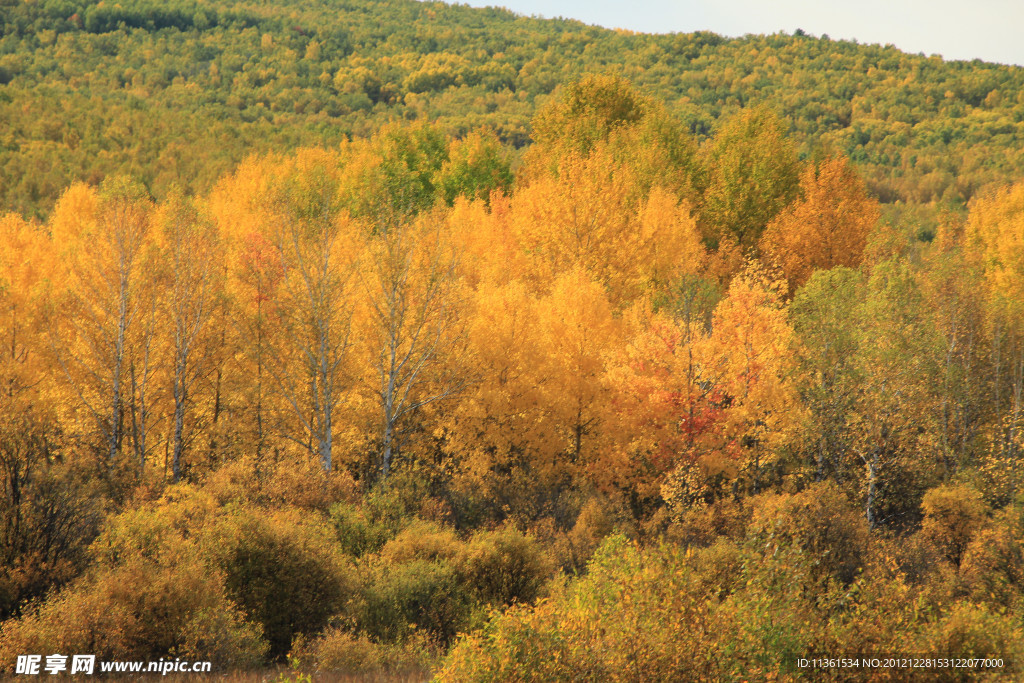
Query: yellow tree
point(412, 326)
point(540, 407)
point(191, 268)
point(318, 247)
point(241, 208)
point(27, 396)
point(46, 518)
point(578, 332)
point(25, 263)
point(662, 377)
point(103, 332)
point(489, 247)
point(292, 253)
point(499, 422)
point(752, 344)
point(592, 215)
point(827, 226)
point(661, 398)
point(995, 232)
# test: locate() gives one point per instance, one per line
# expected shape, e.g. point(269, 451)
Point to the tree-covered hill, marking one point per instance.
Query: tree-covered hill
point(177, 93)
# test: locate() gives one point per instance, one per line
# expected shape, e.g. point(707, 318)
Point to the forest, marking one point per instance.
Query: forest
point(571, 376)
point(178, 92)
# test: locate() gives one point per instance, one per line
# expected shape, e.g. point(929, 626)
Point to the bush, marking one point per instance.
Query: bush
point(422, 541)
point(47, 521)
point(820, 523)
point(574, 549)
point(952, 515)
point(634, 616)
point(339, 650)
point(503, 567)
point(140, 609)
point(720, 567)
point(428, 580)
point(916, 557)
point(302, 483)
point(992, 567)
point(420, 595)
point(283, 571)
point(294, 482)
point(356, 532)
point(967, 630)
point(703, 525)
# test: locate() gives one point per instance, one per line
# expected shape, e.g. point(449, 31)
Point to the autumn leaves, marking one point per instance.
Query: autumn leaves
point(397, 301)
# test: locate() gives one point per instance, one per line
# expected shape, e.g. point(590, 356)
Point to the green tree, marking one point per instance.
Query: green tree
point(752, 174)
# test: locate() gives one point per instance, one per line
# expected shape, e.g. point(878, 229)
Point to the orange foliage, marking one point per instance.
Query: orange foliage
point(827, 227)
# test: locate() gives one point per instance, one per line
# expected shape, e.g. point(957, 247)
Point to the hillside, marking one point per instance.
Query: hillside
point(178, 93)
point(504, 375)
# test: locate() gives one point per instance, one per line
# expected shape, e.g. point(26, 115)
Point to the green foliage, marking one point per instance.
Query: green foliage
point(590, 110)
point(734, 611)
point(394, 174)
point(283, 573)
point(356, 533)
point(426, 579)
point(820, 524)
point(180, 92)
point(477, 165)
point(752, 174)
point(419, 595)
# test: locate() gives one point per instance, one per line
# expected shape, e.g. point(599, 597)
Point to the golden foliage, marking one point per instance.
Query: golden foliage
point(827, 226)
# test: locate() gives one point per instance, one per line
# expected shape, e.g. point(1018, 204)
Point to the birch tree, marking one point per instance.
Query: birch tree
point(413, 328)
point(318, 247)
point(190, 255)
point(101, 325)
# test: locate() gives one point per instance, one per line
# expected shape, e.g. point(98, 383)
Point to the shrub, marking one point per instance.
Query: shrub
point(47, 521)
point(720, 567)
point(140, 609)
point(992, 567)
point(302, 483)
point(705, 524)
point(634, 616)
point(294, 482)
point(356, 532)
point(967, 630)
point(400, 599)
point(283, 571)
point(422, 541)
point(339, 650)
point(820, 523)
point(503, 567)
point(915, 555)
point(575, 548)
point(952, 515)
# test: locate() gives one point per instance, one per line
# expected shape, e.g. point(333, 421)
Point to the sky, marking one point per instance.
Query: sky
point(992, 30)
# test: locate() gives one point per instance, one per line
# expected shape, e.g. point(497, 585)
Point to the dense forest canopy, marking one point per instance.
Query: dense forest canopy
point(177, 93)
point(406, 351)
